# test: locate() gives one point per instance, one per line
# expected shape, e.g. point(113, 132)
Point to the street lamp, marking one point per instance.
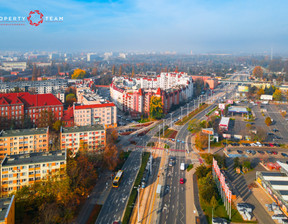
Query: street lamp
point(138, 190)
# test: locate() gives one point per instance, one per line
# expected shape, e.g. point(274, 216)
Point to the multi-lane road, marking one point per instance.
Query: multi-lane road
point(115, 204)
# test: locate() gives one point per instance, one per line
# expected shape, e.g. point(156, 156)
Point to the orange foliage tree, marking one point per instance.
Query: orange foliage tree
point(258, 72)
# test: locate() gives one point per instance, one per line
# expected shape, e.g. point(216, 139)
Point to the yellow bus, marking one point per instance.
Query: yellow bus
point(117, 178)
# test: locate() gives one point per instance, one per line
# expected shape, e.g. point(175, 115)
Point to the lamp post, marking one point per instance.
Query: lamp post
point(138, 190)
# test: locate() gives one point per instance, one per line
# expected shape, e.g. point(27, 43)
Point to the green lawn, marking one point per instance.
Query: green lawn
point(192, 114)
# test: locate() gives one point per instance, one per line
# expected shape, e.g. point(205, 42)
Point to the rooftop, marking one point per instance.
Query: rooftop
point(22, 132)
point(236, 109)
point(5, 204)
point(94, 106)
point(31, 158)
point(82, 128)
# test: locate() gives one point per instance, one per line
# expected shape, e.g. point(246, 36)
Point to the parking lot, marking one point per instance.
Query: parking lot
point(279, 125)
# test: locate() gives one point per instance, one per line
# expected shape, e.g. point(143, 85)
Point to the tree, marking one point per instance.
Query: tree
point(70, 99)
point(249, 126)
point(113, 70)
point(260, 92)
point(258, 72)
point(120, 70)
point(268, 121)
point(277, 95)
point(46, 118)
point(57, 125)
point(34, 73)
point(283, 113)
point(111, 156)
point(94, 71)
point(213, 202)
point(112, 135)
point(194, 125)
point(133, 71)
point(78, 74)
point(202, 171)
point(156, 107)
point(201, 140)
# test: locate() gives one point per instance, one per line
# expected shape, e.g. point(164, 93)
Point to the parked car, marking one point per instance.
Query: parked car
point(253, 152)
point(271, 145)
point(274, 152)
point(181, 180)
point(266, 144)
point(275, 130)
point(276, 144)
point(269, 152)
point(261, 152)
point(239, 151)
point(284, 154)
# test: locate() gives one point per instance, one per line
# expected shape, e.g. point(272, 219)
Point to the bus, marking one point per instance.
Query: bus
point(117, 178)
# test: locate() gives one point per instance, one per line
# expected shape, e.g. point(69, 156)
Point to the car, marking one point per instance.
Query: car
point(181, 180)
point(275, 130)
point(143, 184)
point(266, 144)
point(239, 151)
point(224, 143)
point(271, 145)
point(261, 152)
point(284, 154)
point(236, 144)
point(270, 133)
point(253, 144)
point(182, 166)
point(276, 144)
point(269, 152)
point(274, 153)
point(253, 152)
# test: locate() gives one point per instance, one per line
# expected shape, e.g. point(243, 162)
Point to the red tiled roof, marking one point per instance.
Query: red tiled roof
point(30, 100)
point(95, 106)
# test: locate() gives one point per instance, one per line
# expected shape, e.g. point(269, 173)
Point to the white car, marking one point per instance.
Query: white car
point(182, 166)
point(259, 144)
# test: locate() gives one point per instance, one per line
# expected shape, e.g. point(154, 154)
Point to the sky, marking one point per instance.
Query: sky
point(200, 26)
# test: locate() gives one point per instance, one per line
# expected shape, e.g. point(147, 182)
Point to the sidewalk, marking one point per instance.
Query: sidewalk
point(98, 196)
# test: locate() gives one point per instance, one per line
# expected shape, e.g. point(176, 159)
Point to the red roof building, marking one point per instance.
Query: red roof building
point(18, 106)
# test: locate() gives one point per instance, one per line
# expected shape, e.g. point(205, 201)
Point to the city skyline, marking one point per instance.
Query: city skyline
point(182, 26)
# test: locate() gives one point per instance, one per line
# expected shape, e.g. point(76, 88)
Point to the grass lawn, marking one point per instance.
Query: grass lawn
point(192, 114)
point(133, 195)
point(220, 211)
point(94, 214)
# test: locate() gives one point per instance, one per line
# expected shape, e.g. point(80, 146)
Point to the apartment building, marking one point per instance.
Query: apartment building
point(90, 137)
point(17, 106)
point(101, 113)
point(134, 95)
point(22, 170)
point(7, 210)
point(13, 142)
point(43, 86)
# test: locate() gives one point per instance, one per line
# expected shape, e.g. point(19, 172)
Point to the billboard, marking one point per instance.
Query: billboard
point(208, 131)
point(221, 106)
point(243, 89)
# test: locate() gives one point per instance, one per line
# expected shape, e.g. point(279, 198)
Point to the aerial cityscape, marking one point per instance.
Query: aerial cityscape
point(151, 112)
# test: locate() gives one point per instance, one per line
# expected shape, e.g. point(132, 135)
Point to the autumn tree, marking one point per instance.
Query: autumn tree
point(46, 118)
point(113, 70)
point(112, 135)
point(133, 72)
point(94, 71)
point(120, 71)
point(156, 107)
point(201, 140)
point(258, 72)
point(260, 92)
point(277, 95)
point(78, 74)
point(268, 121)
point(70, 99)
point(111, 156)
point(283, 113)
point(57, 125)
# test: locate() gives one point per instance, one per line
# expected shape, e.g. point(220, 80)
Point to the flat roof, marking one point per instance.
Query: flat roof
point(75, 129)
point(237, 109)
point(30, 158)
point(224, 121)
point(21, 132)
point(5, 205)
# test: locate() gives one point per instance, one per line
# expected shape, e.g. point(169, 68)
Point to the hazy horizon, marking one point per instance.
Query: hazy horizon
point(183, 26)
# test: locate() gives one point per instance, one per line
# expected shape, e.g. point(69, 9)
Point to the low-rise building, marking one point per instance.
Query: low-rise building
point(7, 210)
point(14, 142)
point(90, 137)
point(22, 170)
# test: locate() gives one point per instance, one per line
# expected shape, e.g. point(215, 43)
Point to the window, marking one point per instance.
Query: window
point(31, 166)
point(44, 171)
point(5, 176)
point(10, 175)
point(4, 169)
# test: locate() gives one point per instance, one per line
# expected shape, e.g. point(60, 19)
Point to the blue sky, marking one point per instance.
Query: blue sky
point(150, 25)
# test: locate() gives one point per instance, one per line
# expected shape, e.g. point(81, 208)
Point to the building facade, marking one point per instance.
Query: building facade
point(17, 106)
point(22, 170)
point(14, 142)
point(87, 137)
point(102, 113)
point(134, 95)
point(7, 210)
